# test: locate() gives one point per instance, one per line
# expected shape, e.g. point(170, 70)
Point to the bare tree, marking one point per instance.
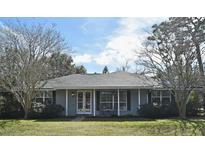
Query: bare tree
point(125, 67)
point(173, 62)
point(23, 64)
point(192, 28)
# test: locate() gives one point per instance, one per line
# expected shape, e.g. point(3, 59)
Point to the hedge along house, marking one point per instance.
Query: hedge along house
point(117, 93)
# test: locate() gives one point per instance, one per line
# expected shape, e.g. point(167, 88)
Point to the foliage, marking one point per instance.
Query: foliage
point(23, 64)
point(162, 111)
point(46, 111)
point(52, 111)
point(194, 107)
point(9, 106)
point(80, 69)
point(105, 70)
point(2, 104)
point(38, 107)
point(170, 56)
point(193, 30)
point(61, 64)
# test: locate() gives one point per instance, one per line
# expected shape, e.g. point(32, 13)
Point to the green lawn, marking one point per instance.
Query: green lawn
point(99, 127)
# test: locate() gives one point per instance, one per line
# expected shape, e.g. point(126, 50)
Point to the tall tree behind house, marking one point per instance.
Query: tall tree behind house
point(105, 70)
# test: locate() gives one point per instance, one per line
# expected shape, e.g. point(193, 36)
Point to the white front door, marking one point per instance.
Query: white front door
point(84, 102)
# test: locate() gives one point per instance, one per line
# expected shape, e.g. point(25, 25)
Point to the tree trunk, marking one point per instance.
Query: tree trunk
point(198, 52)
point(26, 114)
point(27, 110)
point(201, 69)
point(181, 107)
point(182, 112)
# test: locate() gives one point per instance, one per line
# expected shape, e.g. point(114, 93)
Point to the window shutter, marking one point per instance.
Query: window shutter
point(149, 97)
point(128, 100)
point(54, 97)
point(172, 98)
point(98, 100)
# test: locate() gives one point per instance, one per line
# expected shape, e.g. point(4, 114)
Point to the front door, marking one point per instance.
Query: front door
point(84, 102)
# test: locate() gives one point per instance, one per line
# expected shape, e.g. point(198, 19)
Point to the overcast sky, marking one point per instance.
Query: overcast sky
point(97, 42)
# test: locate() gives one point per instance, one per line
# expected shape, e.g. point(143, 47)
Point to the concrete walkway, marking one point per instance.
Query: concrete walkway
point(78, 119)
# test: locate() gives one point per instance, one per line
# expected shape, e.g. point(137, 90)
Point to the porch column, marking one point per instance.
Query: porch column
point(160, 97)
point(139, 99)
point(118, 102)
point(66, 103)
point(44, 96)
point(94, 102)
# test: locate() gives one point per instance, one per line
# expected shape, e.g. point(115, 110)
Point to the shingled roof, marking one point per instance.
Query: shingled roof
point(120, 80)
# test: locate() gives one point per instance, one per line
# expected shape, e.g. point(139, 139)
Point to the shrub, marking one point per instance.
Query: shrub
point(9, 107)
point(46, 111)
point(2, 104)
point(38, 107)
point(52, 110)
point(162, 111)
point(194, 107)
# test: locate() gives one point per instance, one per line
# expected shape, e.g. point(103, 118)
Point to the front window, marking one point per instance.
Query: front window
point(161, 97)
point(44, 97)
point(123, 100)
point(39, 97)
point(106, 101)
point(109, 100)
point(48, 97)
point(156, 98)
point(166, 97)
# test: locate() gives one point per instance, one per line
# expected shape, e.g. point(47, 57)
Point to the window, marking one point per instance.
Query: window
point(123, 100)
point(166, 97)
point(80, 101)
point(44, 97)
point(106, 101)
point(39, 97)
point(109, 100)
point(161, 97)
point(156, 97)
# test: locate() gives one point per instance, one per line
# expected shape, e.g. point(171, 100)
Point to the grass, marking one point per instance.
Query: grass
point(101, 127)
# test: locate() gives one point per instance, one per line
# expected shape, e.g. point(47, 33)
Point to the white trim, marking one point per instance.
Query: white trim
point(84, 97)
point(113, 101)
point(94, 102)
point(125, 91)
point(44, 96)
point(106, 87)
point(139, 98)
point(118, 102)
point(160, 97)
point(66, 99)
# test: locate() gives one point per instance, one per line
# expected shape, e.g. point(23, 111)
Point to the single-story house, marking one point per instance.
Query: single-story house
point(118, 93)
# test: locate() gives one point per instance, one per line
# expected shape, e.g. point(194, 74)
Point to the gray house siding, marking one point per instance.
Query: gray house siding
point(72, 101)
point(61, 99)
point(133, 102)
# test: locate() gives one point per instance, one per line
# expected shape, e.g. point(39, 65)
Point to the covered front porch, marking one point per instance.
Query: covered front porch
point(104, 102)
